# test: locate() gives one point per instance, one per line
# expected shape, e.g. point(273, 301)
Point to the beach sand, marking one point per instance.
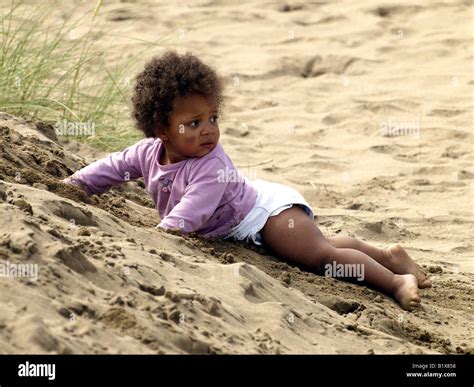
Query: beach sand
point(365, 109)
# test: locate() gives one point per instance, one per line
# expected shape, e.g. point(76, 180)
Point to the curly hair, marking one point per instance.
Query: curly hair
point(165, 79)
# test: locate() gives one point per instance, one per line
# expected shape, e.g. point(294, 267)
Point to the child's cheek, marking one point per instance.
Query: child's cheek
point(190, 140)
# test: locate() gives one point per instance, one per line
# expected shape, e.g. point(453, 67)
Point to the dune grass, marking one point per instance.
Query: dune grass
point(52, 73)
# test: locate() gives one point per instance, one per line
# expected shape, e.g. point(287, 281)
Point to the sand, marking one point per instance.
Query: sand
point(364, 109)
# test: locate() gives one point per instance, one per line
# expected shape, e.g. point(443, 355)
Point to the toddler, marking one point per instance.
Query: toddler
point(196, 187)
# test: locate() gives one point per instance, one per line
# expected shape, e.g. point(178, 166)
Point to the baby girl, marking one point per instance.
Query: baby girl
point(196, 187)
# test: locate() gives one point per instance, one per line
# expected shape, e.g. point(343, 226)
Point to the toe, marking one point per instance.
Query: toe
point(426, 283)
point(423, 280)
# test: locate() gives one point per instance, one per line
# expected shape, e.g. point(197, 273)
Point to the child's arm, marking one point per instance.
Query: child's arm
point(115, 169)
point(200, 200)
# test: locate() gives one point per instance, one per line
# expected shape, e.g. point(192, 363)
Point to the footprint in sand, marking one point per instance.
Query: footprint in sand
point(339, 304)
point(73, 258)
point(390, 11)
point(70, 213)
point(365, 206)
point(384, 148)
point(235, 132)
point(333, 119)
point(445, 112)
point(124, 14)
point(453, 152)
point(331, 64)
point(290, 7)
point(386, 229)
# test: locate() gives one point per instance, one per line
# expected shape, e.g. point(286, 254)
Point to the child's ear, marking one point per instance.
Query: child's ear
point(161, 134)
point(162, 137)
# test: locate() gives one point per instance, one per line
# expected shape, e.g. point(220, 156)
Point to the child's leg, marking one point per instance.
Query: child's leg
point(342, 241)
point(294, 236)
point(404, 288)
point(395, 258)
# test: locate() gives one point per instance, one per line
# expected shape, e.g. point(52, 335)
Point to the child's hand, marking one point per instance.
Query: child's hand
point(71, 181)
point(174, 231)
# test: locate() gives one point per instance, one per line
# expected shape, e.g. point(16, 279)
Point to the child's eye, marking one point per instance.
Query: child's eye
point(194, 124)
point(214, 119)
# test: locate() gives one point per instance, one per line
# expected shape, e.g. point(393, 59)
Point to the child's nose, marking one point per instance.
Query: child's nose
point(207, 129)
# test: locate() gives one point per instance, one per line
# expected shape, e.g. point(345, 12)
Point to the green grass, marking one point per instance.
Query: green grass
point(50, 74)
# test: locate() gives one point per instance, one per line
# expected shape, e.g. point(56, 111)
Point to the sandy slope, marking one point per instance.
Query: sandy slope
point(311, 87)
point(109, 282)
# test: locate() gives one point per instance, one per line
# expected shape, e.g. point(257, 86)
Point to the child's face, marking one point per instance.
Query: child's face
point(193, 124)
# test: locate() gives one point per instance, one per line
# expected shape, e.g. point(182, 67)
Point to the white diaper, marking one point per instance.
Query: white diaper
point(272, 199)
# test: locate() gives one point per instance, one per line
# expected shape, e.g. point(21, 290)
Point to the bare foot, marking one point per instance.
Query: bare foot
point(406, 291)
point(403, 264)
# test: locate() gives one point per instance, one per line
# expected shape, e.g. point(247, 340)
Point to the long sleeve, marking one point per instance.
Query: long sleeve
point(201, 198)
point(117, 168)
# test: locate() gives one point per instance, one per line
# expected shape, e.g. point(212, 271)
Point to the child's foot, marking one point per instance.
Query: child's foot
point(403, 264)
point(406, 291)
